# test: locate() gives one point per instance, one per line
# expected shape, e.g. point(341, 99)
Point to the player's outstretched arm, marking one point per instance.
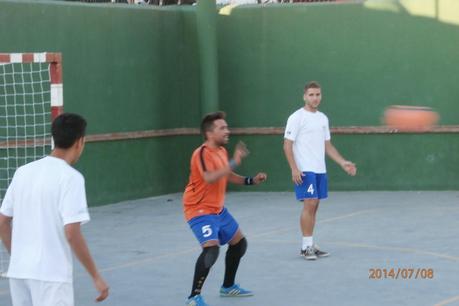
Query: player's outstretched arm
point(237, 179)
point(81, 250)
point(348, 166)
point(5, 231)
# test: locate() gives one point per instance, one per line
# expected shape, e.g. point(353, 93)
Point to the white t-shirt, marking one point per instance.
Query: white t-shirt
point(308, 131)
point(42, 198)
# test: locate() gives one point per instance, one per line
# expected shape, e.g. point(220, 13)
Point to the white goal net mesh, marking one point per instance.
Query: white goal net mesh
point(25, 120)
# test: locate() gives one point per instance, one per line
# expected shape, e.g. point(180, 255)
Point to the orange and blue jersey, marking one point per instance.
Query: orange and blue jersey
point(200, 197)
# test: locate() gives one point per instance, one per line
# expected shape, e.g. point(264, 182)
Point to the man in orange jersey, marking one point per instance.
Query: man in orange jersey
point(203, 203)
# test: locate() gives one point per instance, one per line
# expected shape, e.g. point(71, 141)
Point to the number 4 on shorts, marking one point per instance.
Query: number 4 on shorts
point(311, 189)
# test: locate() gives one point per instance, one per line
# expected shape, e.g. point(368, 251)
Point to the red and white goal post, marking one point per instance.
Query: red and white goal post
point(31, 96)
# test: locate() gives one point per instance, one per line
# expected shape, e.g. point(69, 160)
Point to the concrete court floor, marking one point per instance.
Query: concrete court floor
point(147, 253)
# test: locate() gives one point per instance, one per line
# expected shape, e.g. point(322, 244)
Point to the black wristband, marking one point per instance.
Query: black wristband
point(248, 180)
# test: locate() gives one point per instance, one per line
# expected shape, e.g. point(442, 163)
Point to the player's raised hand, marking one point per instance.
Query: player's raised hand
point(349, 167)
point(259, 178)
point(240, 152)
point(102, 287)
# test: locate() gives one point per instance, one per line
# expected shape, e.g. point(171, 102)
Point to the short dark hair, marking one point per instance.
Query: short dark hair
point(66, 129)
point(312, 84)
point(207, 123)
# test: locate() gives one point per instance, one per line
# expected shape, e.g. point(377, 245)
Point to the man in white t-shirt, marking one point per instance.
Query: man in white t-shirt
point(306, 140)
point(40, 221)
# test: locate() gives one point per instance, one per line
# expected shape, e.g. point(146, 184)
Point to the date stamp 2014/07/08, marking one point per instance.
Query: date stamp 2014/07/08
point(400, 273)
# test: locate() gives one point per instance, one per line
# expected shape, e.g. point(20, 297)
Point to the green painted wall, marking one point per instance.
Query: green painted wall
point(131, 68)
point(385, 162)
point(123, 170)
point(126, 68)
point(365, 59)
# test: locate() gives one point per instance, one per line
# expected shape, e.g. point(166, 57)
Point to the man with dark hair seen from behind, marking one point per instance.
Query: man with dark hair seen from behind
point(203, 203)
point(306, 140)
point(40, 222)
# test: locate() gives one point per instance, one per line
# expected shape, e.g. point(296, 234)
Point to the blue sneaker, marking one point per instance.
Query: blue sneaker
point(196, 300)
point(234, 291)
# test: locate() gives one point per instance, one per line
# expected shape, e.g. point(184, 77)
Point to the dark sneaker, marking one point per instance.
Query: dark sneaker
point(320, 253)
point(309, 253)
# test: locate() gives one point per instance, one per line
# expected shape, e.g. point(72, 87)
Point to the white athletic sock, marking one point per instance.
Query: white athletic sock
point(307, 242)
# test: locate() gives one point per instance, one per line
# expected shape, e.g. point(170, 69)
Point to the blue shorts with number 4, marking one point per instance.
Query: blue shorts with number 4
point(221, 227)
point(314, 186)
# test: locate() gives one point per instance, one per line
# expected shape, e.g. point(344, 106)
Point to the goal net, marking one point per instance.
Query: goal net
point(30, 96)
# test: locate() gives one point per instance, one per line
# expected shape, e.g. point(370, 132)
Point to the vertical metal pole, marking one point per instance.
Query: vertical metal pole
point(206, 20)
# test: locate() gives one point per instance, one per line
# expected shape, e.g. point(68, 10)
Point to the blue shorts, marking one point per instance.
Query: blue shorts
point(221, 227)
point(314, 186)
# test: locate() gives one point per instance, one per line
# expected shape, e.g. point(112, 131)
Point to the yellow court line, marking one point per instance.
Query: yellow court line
point(404, 250)
point(379, 247)
point(149, 259)
point(286, 229)
point(451, 208)
point(448, 301)
point(347, 215)
point(194, 249)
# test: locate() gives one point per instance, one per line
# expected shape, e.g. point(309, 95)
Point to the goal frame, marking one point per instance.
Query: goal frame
point(55, 61)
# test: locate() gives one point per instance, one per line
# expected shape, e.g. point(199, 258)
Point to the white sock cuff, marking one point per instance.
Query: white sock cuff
point(307, 242)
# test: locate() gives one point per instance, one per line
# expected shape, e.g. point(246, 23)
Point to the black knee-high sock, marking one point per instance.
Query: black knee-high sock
point(205, 261)
point(232, 259)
